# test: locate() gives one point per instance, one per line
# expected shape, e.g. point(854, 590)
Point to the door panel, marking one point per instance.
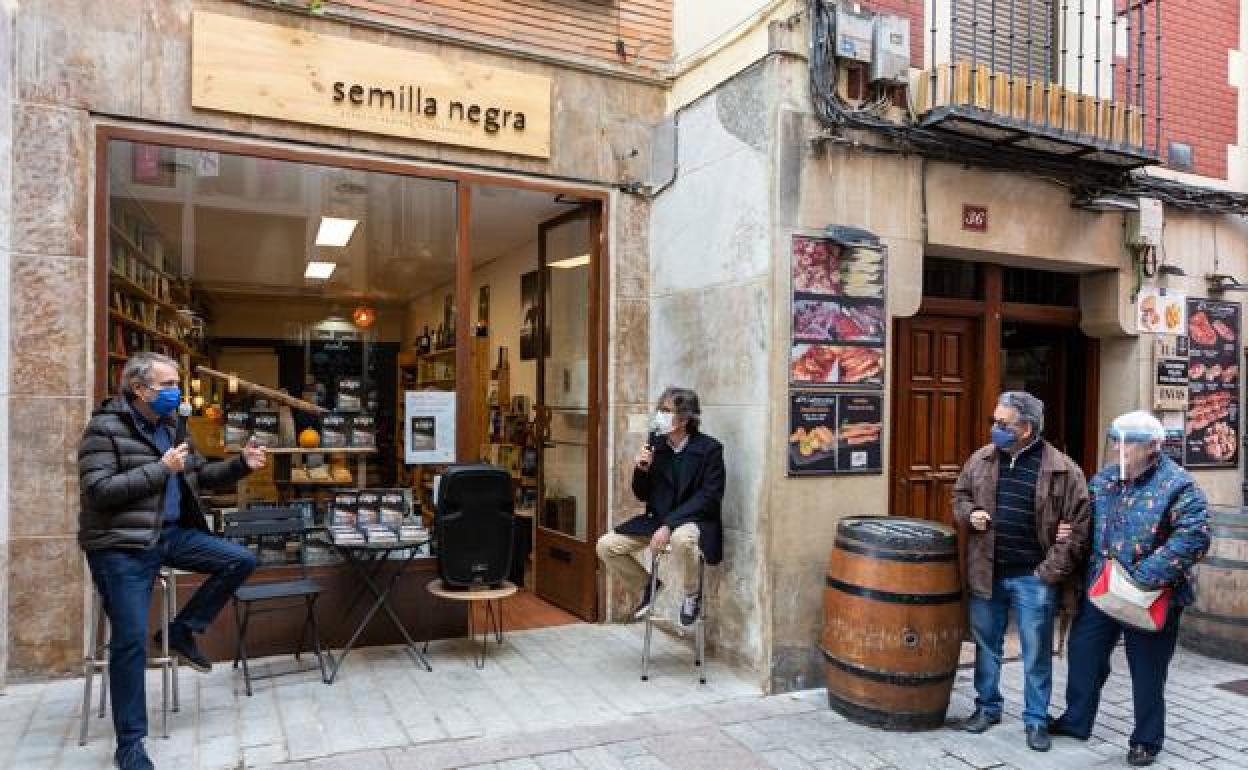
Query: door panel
point(565, 564)
point(935, 395)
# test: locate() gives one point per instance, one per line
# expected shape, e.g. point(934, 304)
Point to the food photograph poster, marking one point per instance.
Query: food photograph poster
point(1212, 425)
point(839, 317)
point(834, 433)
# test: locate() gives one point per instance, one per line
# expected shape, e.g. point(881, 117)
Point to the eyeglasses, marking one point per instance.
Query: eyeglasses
point(170, 383)
point(995, 423)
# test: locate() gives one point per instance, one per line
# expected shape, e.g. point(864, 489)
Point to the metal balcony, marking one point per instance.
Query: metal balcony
point(1078, 79)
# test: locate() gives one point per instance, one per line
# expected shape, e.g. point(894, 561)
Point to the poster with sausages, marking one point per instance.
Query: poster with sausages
point(1212, 425)
point(838, 320)
point(834, 433)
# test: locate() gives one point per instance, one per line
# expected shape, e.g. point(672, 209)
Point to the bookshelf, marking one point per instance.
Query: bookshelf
point(144, 297)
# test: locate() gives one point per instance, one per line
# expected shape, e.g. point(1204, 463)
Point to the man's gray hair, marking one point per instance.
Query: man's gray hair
point(138, 370)
point(684, 404)
point(1030, 409)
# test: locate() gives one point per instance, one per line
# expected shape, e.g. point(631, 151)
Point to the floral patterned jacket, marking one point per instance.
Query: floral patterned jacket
point(1156, 526)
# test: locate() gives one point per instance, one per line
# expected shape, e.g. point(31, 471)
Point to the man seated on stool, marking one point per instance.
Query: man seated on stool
point(679, 475)
point(139, 480)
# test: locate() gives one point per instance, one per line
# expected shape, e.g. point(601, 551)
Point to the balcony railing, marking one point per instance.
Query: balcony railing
point(1073, 78)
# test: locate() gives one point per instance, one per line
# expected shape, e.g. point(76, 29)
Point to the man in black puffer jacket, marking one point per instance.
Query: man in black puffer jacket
point(139, 480)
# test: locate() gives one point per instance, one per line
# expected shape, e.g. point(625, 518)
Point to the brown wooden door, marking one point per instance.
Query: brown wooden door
point(934, 408)
point(569, 256)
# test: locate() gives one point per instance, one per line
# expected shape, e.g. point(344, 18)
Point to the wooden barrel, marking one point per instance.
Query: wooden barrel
point(893, 622)
point(1217, 624)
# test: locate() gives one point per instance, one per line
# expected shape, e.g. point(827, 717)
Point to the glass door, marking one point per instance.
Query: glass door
point(567, 412)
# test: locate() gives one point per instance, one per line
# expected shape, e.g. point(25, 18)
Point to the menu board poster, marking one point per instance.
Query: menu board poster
point(1212, 426)
point(834, 433)
point(839, 320)
point(429, 435)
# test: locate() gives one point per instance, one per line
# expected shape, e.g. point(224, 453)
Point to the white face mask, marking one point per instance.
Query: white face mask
point(663, 423)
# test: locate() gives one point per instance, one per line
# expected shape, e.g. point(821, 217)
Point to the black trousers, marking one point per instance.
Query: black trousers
point(1092, 642)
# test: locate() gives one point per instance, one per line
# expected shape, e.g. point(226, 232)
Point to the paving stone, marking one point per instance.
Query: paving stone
point(560, 760)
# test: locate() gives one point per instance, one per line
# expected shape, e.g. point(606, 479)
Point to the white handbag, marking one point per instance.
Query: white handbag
point(1119, 596)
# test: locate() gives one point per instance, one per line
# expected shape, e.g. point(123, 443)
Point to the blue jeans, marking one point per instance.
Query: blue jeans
point(124, 580)
point(1034, 603)
point(1092, 641)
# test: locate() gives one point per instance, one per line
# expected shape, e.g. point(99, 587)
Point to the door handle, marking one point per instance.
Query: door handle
point(943, 476)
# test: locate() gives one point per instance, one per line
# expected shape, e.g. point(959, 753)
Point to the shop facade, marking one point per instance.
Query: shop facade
point(119, 144)
point(693, 190)
point(1031, 292)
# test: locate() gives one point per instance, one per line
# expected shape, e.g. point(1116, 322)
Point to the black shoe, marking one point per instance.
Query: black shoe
point(1038, 738)
point(133, 757)
point(183, 644)
point(647, 600)
point(1141, 756)
point(1058, 727)
point(979, 722)
point(690, 608)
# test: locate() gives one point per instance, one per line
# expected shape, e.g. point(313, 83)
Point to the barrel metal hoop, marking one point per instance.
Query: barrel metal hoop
point(1219, 562)
point(888, 720)
point(887, 554)
point(1214, 617)
point(886, 677)
point(890, 597)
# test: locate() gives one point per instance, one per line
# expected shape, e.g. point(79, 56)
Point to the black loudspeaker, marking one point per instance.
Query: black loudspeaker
point(474, 525)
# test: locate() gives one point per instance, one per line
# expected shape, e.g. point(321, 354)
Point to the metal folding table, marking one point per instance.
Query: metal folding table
point(368, 560)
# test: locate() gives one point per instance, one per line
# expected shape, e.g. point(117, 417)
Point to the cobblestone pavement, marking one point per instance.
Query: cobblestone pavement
point(570, 698)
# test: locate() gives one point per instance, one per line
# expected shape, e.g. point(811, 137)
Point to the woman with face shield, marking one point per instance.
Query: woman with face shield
point(1149, 520)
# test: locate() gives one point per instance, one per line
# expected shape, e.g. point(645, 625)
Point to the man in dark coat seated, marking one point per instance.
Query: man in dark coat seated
point(679, 475)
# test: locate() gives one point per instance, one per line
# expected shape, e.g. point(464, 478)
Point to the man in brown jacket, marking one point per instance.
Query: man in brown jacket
point(1011, 496)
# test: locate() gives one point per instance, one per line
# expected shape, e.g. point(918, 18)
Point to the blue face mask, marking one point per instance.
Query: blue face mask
point(167, 401)
point(1003, 438)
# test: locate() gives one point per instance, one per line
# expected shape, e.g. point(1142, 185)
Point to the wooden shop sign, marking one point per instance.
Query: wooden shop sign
point(270, 71)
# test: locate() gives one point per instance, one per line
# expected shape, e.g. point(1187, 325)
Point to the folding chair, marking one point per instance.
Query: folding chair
point(256, 524)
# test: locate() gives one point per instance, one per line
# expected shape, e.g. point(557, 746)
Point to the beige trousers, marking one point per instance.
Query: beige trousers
point(616, 552)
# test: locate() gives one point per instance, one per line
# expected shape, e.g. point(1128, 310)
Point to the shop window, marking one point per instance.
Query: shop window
point(952, 279)
point(1041, 287)
point(333, 285)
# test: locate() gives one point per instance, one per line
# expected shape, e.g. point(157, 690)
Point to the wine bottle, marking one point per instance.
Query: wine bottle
point(423, 342)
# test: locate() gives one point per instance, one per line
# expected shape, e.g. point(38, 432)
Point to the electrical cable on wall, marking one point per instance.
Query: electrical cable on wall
point(838, 117)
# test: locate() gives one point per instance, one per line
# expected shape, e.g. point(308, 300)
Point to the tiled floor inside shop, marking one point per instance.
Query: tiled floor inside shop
point(569, 697)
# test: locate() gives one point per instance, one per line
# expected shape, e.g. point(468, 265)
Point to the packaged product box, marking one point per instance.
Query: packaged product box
point(363, 431)
point(350, 394)
point(393, 508)
point(367, 509)
point(334, 431)
point(237, 428)
point(342, 512)
point(266, 427)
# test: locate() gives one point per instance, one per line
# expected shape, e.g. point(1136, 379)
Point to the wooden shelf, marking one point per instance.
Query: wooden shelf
point(124, 282)
point(140, 326)
point(320, 451)
point(443, 353)
point(138, 253)
point(117, 357)
point(427, 383)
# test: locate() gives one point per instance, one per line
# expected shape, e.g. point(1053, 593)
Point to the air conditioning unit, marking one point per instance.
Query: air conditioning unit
point(1144, 227)
point(855, 34)
point(891, 60)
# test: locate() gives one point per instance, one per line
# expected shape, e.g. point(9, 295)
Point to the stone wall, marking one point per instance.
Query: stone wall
point(133, 65)
point(7, 20)
point(710, 291)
